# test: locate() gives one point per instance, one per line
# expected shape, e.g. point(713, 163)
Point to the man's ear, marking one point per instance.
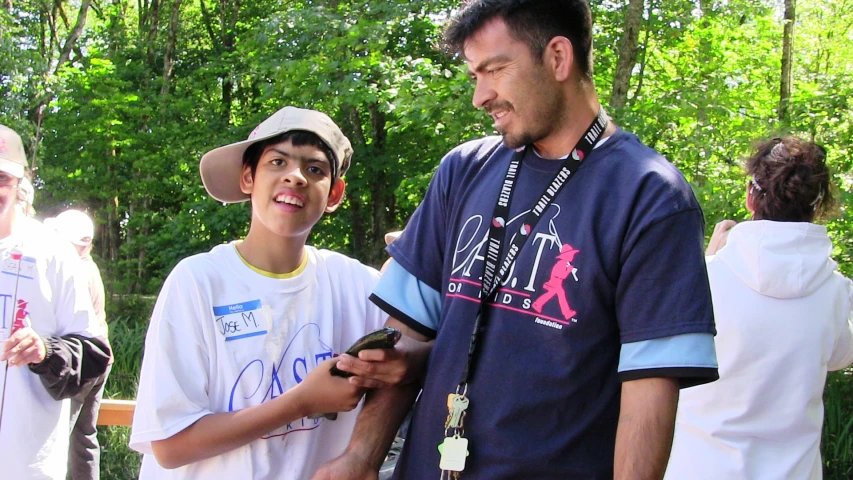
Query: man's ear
point(247, 182)
point(336, 195)
point(559, 57)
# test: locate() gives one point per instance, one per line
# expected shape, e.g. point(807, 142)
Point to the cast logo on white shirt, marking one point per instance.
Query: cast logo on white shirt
point(9, 322)
point(263, 379)
point(240, 320)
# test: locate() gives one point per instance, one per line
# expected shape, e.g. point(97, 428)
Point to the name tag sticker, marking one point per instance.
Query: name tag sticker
point(240, 320)
point(16, 264)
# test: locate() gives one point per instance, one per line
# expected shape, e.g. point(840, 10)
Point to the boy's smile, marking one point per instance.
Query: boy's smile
point(291, 189)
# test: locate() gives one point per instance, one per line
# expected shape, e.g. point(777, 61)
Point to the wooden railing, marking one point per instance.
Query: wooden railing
point(116, 412)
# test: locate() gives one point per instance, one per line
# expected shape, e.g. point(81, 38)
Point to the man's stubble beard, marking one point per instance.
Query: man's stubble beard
point(549, 119)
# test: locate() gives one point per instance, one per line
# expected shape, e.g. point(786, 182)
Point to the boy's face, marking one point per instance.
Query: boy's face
point(291, 189)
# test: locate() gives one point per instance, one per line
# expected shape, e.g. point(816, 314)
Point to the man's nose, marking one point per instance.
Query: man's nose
point(483, 93)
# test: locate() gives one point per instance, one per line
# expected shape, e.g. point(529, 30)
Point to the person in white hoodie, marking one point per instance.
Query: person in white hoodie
point(783, 317)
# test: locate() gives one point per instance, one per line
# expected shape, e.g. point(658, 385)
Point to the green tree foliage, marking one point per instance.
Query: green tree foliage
point(118, 116)
point(153, 85)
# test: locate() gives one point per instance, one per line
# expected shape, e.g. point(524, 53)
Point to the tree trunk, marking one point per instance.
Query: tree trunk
point(65, 54)
point(787, 58)
point(644, 60)
point(383, 210)
point(168, 61)
point(627, 54)
point(359, 231)
point(151, 34)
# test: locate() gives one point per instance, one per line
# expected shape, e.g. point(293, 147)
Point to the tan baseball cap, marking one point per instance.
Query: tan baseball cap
point(220, 168)
point(13, 160)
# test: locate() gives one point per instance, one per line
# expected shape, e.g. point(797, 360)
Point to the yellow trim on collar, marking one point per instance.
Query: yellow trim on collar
point(278, 276)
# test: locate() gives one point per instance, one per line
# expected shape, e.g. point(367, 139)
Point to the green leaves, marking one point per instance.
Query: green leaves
point(704, 87)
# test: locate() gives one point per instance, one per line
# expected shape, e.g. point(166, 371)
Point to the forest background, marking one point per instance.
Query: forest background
point(117, 99)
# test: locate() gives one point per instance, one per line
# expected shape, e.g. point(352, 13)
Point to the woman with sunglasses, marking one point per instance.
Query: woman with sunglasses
point(783, 317)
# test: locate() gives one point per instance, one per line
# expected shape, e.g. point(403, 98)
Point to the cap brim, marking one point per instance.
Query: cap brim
point(221, 167)
point(12, 168)
point(220, 171)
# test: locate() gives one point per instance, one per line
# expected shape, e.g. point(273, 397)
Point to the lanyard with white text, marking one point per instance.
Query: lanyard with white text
point(497, 230)
point(454, 447)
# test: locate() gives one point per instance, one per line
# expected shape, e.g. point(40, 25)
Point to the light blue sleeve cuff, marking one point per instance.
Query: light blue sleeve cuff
point(408, 299)
point(689, 357)
point(686, 350)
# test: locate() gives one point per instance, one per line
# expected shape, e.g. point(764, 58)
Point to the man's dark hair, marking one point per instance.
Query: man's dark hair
point(298, 138)
point(534, 22)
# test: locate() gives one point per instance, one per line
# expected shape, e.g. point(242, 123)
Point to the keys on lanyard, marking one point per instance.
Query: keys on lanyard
point(454, 448)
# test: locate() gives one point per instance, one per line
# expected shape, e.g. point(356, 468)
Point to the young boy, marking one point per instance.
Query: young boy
point(242, 338)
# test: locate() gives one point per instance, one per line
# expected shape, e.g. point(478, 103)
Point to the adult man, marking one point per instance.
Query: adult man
point(84, 453)
point(47, 328)
point(579, 386)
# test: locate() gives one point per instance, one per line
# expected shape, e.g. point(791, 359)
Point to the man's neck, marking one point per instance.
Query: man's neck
point(277, 255)
point(573, 125)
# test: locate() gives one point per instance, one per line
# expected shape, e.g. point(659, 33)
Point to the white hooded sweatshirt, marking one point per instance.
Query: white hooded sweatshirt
point(783, 319)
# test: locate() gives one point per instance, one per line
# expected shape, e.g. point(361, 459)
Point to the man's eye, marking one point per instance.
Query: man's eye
point(277, 162)
point(316, 170)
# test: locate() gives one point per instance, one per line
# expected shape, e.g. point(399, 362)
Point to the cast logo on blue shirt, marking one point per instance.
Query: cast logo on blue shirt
point(550, 302)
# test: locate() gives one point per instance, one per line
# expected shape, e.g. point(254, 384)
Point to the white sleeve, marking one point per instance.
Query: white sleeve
point(173, 383)
point(842, 353)
point(375, 316)
point(72, 307)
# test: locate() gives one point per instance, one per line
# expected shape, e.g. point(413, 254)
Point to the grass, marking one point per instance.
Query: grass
point(837, 440)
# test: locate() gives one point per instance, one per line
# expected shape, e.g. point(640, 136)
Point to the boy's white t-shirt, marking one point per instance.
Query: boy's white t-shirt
point(38, 284)
point(225, 336)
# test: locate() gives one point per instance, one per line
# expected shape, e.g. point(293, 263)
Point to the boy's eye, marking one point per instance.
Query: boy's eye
point(316, 170)
point(277, 162)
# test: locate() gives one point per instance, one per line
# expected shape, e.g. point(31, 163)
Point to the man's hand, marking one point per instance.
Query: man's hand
point(321, 392)
point(346, 467)
point(379, 368)
point(719, 237)
point(24, 347)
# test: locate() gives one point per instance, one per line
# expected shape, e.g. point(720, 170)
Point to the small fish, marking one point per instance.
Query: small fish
point(384, 338)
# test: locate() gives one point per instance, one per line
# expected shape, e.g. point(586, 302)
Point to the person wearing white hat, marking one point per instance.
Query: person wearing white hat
point(236, 371)
point(84, 452)
point(50, 349)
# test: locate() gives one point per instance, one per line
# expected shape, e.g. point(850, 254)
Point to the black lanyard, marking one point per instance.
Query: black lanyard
point(497, 230)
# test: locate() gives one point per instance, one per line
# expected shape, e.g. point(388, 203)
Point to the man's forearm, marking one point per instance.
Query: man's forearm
point(646, 423)
point(383, 412)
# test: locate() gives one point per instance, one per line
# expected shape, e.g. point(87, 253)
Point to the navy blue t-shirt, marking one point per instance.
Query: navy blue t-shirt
point(617, 258)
